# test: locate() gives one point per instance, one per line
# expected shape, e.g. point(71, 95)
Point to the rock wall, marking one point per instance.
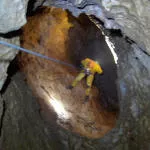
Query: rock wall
point(132, 17)
point(12, 14)
point(132, 130)
point(22, 128)
point(6, 55)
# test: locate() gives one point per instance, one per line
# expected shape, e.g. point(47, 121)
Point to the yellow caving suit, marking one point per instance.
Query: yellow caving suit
point(90, 67)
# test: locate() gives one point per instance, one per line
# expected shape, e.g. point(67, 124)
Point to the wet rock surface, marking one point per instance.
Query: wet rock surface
point(50, 81)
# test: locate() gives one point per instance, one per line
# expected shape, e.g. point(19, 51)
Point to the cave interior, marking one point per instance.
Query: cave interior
point(80, 37)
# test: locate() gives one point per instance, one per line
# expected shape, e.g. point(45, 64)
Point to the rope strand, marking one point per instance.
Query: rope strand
point(35, 53)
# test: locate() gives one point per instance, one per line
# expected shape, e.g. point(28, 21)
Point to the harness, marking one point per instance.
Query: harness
point(87, 71)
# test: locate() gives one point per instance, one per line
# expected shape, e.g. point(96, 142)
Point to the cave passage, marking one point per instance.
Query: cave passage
point(56, 33)
point(87, 41)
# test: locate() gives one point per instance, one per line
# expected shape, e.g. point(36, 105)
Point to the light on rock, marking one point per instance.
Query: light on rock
point(112, 47)
point(59, 108)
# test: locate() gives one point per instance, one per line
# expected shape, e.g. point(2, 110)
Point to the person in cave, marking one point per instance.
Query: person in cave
point(89, 68)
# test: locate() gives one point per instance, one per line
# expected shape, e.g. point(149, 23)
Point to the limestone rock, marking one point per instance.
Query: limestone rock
point(87, 7)
point(6, 55)
point(132, 17)
point(1, 110)
point(21, 118)
point(133, 85)
point(12, 14)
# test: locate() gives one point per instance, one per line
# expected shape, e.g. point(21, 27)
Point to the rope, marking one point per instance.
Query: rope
point(36, 54)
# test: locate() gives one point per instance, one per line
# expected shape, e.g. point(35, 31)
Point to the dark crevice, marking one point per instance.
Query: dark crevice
point(12, 70)
point(11, 34)
point(118, 33)
point(4, 88)
point(115, 32)
point(2, 116)
point(143, 51)
point(30, 7)
point(82, 6)
point(130, 41)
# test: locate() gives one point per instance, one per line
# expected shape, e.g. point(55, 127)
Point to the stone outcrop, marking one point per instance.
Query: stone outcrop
point(22, 127)
point(7, 54)
point(132, 17)
point(12, 14)
point(13, 17)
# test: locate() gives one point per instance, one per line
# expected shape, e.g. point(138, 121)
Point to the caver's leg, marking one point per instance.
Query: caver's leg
point(80, 76)
point(89, 82)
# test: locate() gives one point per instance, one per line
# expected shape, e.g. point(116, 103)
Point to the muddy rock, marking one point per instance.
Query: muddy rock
point(50, 80)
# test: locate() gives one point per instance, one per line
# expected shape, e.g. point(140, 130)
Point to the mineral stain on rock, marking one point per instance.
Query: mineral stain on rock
point(47, 32)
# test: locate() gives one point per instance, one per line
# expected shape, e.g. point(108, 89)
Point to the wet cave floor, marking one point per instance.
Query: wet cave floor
point(56, 33)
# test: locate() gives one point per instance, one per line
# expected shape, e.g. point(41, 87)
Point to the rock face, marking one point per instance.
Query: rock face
point(47, 33)
point(12, 15)
point(132, 17)
point(20, 116)
point(6, 55)
point(132, 130)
